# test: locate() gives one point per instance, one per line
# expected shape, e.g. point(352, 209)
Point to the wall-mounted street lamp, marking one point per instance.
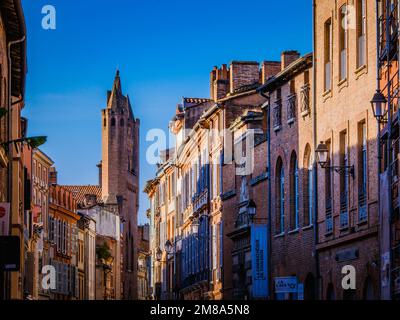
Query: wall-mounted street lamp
point(378, 106)
point(251, 209)
point(158, 255)
point(322, 156)
point(33, 142)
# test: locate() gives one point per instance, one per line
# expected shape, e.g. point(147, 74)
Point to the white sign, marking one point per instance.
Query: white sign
point(286, 285)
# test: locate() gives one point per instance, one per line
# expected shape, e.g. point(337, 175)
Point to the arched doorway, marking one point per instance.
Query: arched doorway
point(368, 293)
point(330, 292)
point(309, 287)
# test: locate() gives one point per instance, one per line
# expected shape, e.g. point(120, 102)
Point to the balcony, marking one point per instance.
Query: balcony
point(291, 108)
point(305, 100)
point(277, 115)
point(200, 200)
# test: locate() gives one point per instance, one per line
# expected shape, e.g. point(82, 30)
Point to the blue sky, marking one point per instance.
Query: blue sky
point(164, 50)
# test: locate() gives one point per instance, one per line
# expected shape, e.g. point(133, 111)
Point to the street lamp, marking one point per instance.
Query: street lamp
point(251, 209)
point(378, 103)
point(322, 156)
point(158, 254)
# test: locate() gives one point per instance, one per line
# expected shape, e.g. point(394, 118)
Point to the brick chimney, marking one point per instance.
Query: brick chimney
point(53, 176)
point(100, 166)
point(90, 199)
point(219, 82)
point(269, 69)
point(243, 73)
point(287, 57)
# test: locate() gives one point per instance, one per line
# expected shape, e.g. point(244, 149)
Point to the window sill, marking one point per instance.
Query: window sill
point(310, 226)
point(290, 121)
point(342, 83)
point(344, 228)
point(327, 94)
point(280, 235)
point(305, 113)
point(360, 71)
point(329, 233)
point(362, 222)
point(294, 231)
point(277, 128)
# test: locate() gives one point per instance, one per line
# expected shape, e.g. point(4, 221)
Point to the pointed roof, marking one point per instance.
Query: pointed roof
point(115, 97)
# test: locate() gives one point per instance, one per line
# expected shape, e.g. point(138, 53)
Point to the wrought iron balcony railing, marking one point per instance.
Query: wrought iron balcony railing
point(277, 115)
point(291, 108)
point(305, 100)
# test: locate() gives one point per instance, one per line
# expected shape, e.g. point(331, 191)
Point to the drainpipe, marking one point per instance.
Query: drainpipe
point(378, 138)
point(315, 167)
point(269, 246)
point(9, 137)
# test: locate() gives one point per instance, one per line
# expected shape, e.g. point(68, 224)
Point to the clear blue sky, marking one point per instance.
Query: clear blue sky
point(164, 50)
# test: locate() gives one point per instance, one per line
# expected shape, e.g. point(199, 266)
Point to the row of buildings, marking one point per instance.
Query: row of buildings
point(284, 176)
point(65, 242)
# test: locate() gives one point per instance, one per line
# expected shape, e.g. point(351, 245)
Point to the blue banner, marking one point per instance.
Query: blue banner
point(259, 260)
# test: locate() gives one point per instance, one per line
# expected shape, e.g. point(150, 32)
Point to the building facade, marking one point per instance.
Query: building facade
point(345, 81)
point(63, 238)
point(291, 186)
point(12, 88)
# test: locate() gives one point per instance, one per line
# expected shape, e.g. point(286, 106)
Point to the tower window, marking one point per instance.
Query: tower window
point(121, 122)
point(113, 122)
point(105, 122)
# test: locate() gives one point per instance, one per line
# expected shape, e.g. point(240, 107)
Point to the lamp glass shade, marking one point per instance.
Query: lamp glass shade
point(377, 103)
point(159, 254)
point(322, 153)
point(168, 246)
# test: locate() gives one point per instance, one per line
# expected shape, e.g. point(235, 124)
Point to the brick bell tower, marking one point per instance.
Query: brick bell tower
point(120, 177)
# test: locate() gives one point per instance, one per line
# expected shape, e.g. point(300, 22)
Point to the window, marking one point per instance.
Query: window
point(328, 194)
point(307, 190)
point(344, 183)
point(280, 197)
point(328, 54)
point(362, 172)
point(343, 42)
point(361, 32)
point(113, 122)
point(294, 192)
point(121, 122)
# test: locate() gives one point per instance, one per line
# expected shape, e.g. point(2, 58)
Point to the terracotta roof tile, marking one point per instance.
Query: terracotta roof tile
point(79, 192)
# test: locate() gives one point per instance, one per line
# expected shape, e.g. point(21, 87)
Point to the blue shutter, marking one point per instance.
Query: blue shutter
point(221, 249)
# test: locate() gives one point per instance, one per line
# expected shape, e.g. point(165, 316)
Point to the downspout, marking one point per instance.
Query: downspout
point(378, 85)
point(269, 246)
point(315, 167)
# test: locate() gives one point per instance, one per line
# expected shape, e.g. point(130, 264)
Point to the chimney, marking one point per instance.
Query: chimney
point(100, 165)
point(90, 199)
point(287, 57)
point(53, 176)
point(219, 82)
point(269, 69)
point(243, 73)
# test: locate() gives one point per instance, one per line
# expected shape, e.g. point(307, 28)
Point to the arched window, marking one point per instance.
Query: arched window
point(294, 192)
point(105, 122)
point(280, 197)
point(307, 190)
point(113, 122)
point(121, 122)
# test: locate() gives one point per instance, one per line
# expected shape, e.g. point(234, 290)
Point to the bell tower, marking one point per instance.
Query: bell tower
point(120, 176)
